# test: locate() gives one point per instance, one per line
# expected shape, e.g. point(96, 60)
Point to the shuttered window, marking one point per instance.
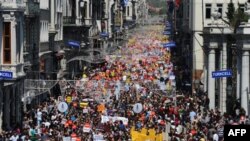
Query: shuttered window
point(7, 43)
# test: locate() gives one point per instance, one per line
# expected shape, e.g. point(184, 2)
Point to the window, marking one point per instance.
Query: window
point(42, 65)
point(208, 11)
point(90, 9)
point(103, 9)
point(220, 8)
point(128, 10)
point(7, 43)
point(242, 7)
point(85, 9)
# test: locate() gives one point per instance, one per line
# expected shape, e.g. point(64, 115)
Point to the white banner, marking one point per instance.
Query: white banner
point(98, 137)
point(85, 111)
point(86, 128)
point(113, 119)
point(66, 139)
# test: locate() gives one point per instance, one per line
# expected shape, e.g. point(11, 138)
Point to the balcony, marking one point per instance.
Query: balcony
point(88, 22)
point(69, 20)
point(12, 4)
point(26, 49)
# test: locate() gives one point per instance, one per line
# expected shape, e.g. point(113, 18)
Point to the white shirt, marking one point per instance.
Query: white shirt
point(192, 114)
point(179, 129)
point(47, 124)
point(53, 117)
point(215, 137)
point(39, 115)
point(14, 138)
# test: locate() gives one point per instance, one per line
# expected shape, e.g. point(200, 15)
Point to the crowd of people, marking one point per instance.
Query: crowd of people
point(101, 103)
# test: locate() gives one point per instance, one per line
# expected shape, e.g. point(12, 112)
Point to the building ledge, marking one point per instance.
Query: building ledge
point(52, 31)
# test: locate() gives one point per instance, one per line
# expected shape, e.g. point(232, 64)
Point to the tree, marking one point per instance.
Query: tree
point(230, 13)
point(235, 17)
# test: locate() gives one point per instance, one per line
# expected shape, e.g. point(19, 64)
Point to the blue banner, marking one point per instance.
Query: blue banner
point(166, 33)
point(222, 73)
point(104, 34)
point(6, 74)
point(74, 44)
point(168, 28)
point(167, 23)
point(169, 45)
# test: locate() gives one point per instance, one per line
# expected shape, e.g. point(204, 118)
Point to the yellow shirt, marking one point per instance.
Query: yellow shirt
point(202, 139)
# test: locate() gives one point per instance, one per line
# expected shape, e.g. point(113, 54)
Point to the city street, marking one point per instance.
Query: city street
point(132, 97)
point(124, 70)
point(123, 95)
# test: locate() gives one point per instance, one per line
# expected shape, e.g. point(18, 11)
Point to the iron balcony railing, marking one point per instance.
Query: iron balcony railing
point(69, 20)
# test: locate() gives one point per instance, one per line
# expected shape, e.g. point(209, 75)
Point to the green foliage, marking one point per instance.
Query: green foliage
point(235, 17)
point(231, 10)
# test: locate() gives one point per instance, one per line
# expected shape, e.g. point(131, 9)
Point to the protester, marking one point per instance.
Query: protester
point(141, 73)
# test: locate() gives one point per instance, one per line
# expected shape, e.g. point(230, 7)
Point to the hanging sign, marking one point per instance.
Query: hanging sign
point(222, 73)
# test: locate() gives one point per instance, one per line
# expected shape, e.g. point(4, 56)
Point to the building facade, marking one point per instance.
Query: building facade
point(141, 11)
point(89, 24)
point(211, 49)
point(51, 37)
point(45, 52)
point(32, 39)
point(11, 60)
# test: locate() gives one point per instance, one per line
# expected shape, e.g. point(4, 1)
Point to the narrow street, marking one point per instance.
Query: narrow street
point(124, 70)
point(123, 95)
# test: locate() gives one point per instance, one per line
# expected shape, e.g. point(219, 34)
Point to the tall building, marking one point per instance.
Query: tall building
point(11, 60)
point(141, 11)
point(46, 59)
point(51, 37)
point(130, 13)
point(84, 23)
point(206, 35)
